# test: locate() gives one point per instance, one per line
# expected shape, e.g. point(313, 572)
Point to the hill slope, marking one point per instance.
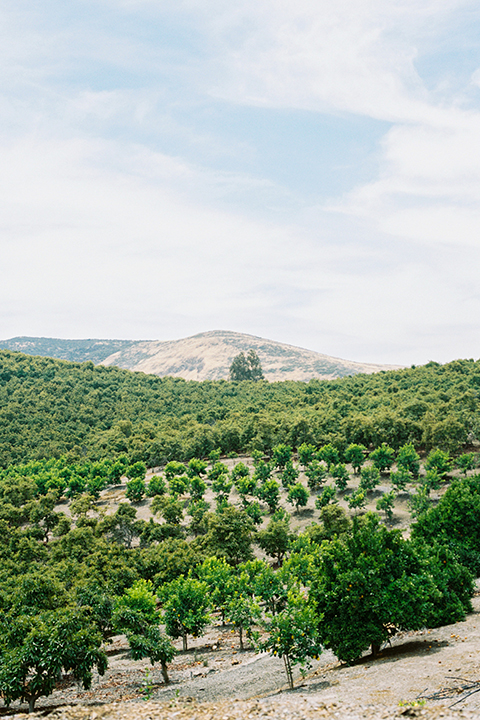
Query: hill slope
point(208, 356)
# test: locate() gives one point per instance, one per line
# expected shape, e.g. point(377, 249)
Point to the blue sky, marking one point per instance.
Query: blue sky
point(304, 171)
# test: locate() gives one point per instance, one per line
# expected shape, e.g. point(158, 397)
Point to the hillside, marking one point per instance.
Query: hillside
point(206, 356)
point(50, 407)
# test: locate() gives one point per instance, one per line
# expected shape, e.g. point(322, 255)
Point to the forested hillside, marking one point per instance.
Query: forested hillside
point(49, 408)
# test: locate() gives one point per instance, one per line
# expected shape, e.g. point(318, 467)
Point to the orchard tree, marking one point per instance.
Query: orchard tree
point(306, 454)
point(282, 454)
point(219, 576)
point(276, 539)
point(156, 486)
point(409, 459)
point(440, 461)
point(230, 535)
point(35, 649)
point(289, 475)
point(400, 479)
point(292, 633)
point(383, 457)
point(135, 490)
point(329, 454)
point(196, 467)
point(369, 478)
point(355, 455)
point(387, 503)
point(243, 611)
point(329, 495)
point(269, 492)
point(298, 496)
point(367, 581)
point(466, 462)
point(185, 608)
point(137, 470)
point(316, 473)
point(340, 475)
point(357, 500)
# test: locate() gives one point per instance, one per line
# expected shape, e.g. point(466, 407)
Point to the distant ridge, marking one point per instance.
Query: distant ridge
point(206, 356)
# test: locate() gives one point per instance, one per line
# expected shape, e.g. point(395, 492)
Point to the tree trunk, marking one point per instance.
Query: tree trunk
point(31, 703)
point(166, 679)
point(184, 639)
point(288, 670)
point(375, 649)
point(240, 630)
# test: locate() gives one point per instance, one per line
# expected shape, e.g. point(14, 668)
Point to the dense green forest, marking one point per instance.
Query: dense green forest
point(50, 408)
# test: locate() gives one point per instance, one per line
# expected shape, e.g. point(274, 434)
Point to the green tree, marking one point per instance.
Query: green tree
point(440, 461)
point(358, 499)
point(306, 454)
point(289, 475)
point(400, 479)
point(369, 478)
point(196, 467)
point(409, 459)
point(135, 490)
point(156, 486)
point(298, 496)
point(197, 487)
point(269, 492)
point(174, 468)
point(466, 462)
point(178, 485)
point(383, 457)
point(292, 633)
point(355, 455)
point(136, 471)
point(329, 454)
point(275, 539)
point(387, 504)
point(218, 575)
point(35, 649)
point(185, 608)
point(230, 535)
point(328, 495)
point(316, 473)
point(282, 454)
point(243, 611)
point(246, 367)
point(169, 508)
point(340, 475)
point(366, 582)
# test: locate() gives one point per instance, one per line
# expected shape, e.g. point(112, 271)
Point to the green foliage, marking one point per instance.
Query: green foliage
point(329, 495)
point(185, 608)
point(329, 454)
point(169, 508)
point(408, 459)
point(298, 495)
point(218, 575)
point(383, 457)
point(243, 611)
point(34, 650)
point(174, 468)
point(387, 504)
point(466, 462)
point(153, 644)
point(196, 467)
point(289, 474)
point(156, 486)
point(275, 540)
point(358, 499)
point(306, 454)
point(369, 478)
point(316, 473)
point(178, 485)
point(440, 461)
point(340, 475)
point(282, 454)
point(400, 479)
point(229, 535)
point(136, 471)
point(367, 581)
point(269, 492)
point(135, 490)
point(292, 633)
point(197, 487)
point(246, 367)
point(355, 455)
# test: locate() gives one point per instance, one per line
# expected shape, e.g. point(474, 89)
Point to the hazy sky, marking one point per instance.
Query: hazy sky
point(303, 170)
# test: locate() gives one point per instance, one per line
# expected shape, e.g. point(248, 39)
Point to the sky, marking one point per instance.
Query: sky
point(299, 170)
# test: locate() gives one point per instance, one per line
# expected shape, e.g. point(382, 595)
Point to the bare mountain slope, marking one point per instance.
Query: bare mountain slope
point(208, 356)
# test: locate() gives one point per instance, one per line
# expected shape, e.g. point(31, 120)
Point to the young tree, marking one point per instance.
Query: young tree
point(340, 475)
point(387, 503)
point(169, 508)
point(292, 633)
point(383, 457)
point(137, 470)
point(135, 490)
point(269, 492)
point(173, 468)
point(400, 479)
point(185, 608)
point(156, 486)
point(243, 611)
point(466, 462)
point(218, 575)
point(230, 535)
point(357, 499)
point(409, 459)
point(329, 454)
point(197, 488)
point(275, 540)
point(298, 496)
point(196, 467)
point(316, 473)
point(440, 461)
point(329, 495)
point(289, 475)
point(369, 478)
point(282, 454)
point(355, 455)
point(178, 485)
point(35, 649)
point(306, 454)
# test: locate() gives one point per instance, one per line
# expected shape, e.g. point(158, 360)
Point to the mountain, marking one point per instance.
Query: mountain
point(206, 356)
point(73, 350)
